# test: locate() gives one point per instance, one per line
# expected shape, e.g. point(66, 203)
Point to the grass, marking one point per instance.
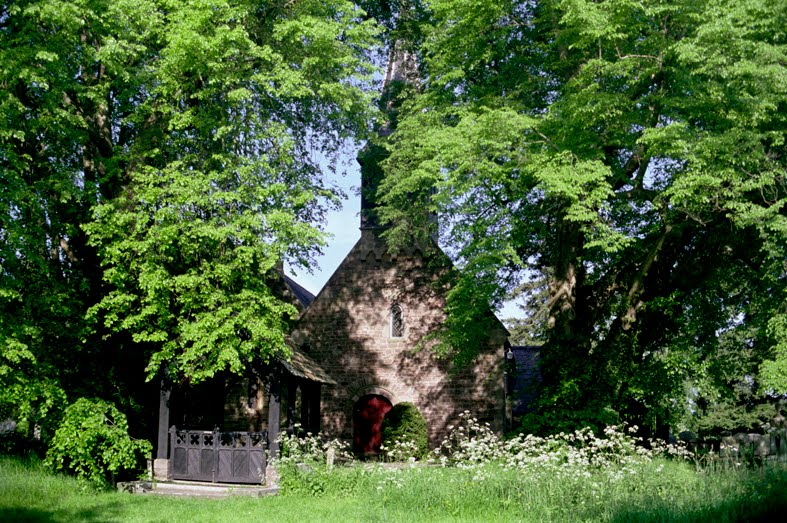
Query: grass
point(659, 491)
point(29, 492)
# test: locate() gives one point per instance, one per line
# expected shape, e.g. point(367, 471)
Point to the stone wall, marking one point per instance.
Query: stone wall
point(347, 331)
point(746, 446)
point(243, 405)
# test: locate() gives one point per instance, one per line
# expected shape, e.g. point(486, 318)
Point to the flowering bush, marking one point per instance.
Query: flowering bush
point(311, 449)
point(577, 476)
point(579, 464)
point(401, 450)
point(305, 462)
point(470, 444)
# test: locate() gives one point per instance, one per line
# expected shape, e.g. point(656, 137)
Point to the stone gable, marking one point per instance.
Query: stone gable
point(347, 330)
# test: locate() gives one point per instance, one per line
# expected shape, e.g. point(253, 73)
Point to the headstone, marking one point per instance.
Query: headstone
point(760, 445)
point(330, 457)
point(687, 436)
point(729, 447)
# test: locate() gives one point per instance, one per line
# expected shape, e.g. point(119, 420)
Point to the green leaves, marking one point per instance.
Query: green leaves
point(190, 259)
point(774, 369)
point(190, 249)
point(629, 152)
point(93, 443)
point(159, 160)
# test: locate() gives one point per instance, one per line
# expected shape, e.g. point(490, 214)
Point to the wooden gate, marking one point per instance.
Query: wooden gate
point(223, 457)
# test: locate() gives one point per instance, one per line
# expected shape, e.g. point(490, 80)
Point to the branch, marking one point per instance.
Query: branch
point(67, 249)
point(638, 286)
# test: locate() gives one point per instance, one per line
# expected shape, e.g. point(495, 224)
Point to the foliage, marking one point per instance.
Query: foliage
point(404, 432)
point(304, 463)
point(92, 442)
point(230, 188)
point(159, 160)
point(630, 154)
point(471, 444)
point(533, 299)
point(311, 448)
point(731, 418)
point(576, 476)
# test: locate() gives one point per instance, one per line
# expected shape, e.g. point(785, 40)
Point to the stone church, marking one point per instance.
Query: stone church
point(365, 329)
point(369, 327)
point(358, 348)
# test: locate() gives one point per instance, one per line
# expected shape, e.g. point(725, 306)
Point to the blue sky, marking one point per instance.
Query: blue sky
point(343, 226)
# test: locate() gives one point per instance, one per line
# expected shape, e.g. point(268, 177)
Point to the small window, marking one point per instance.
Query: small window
point(397, 321)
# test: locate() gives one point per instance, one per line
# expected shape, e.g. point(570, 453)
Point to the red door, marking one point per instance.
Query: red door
point(368, 415)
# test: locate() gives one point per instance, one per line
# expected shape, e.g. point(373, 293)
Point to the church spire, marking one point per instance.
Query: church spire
point(402, 72)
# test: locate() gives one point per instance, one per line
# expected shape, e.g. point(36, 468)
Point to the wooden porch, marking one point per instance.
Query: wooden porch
point(200, 448)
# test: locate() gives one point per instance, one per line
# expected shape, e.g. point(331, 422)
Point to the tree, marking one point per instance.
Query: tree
point(93, 443)
point(58, 136)
point(532, 297)
point(633, 154)
point(232, 187)
point(159, 159)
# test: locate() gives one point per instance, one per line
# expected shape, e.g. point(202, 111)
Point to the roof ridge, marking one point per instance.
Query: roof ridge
point(304, 297)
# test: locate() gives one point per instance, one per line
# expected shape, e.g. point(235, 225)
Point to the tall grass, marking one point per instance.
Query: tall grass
point(472, 477)
point(29, 492)
point(475, 476)
point(660, 490)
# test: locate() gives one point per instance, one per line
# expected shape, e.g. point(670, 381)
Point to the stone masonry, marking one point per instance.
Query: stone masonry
point(347, 330)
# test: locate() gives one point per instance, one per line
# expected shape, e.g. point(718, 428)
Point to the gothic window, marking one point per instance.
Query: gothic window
point(397, 321)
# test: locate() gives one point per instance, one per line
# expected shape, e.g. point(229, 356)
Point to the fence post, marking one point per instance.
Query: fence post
point(172, 435)
point(274, 410)
point(215, 453)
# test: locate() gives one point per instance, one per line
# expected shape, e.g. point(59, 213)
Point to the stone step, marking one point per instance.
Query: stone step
point(196, 489)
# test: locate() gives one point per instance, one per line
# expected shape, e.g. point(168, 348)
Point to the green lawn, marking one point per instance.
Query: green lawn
point(663, 491)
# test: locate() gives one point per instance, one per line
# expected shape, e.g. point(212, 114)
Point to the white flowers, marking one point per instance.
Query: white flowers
point(571, 458)
point(400, 450)
point(580, 454)
point(311, 449)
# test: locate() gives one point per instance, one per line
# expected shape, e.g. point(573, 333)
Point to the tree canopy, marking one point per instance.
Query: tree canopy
point(159, 160)
point(630, 153)
point(619, 163)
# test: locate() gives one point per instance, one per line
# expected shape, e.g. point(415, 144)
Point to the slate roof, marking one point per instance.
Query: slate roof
point(304, 297)
point(302, 366)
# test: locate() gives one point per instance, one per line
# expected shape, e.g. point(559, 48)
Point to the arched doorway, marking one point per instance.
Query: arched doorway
point(368, 414)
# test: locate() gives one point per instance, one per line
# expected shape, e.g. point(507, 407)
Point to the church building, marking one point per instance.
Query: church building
point(359, 347)
point(369, 327)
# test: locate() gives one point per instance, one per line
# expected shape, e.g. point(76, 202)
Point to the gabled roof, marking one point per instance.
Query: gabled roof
point(304, 297)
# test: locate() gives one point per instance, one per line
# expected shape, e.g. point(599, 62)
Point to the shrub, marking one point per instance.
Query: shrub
point(92, 442)
point(472, 444)
point(311, 449)
point(404, 432)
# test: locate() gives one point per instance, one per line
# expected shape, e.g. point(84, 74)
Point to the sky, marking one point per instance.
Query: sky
point(343, 226)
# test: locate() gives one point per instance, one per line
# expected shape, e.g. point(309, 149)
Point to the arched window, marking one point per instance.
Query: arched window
point(397, 321)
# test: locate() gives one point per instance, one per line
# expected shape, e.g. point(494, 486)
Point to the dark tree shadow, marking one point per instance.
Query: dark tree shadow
point(99, 513)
